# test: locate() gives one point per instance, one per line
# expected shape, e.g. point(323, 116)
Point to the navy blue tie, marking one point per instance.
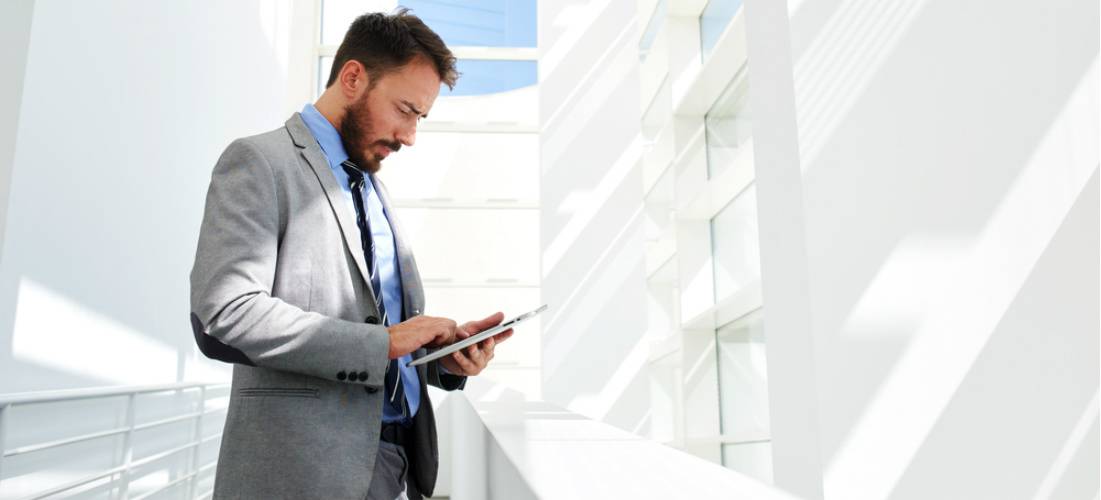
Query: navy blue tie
point(357, 183)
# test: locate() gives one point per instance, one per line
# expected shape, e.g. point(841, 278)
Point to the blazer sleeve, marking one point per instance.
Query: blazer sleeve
point(234, 316)
point(439, 377)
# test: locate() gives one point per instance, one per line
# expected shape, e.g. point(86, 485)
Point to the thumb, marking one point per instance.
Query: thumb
point(485, 323)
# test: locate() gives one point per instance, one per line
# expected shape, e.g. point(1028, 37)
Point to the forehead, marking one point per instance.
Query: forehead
point(416, 82)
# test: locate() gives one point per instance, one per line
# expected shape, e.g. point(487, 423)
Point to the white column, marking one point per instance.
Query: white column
point(797, 465)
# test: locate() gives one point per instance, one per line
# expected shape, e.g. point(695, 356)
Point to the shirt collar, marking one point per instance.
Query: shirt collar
point(326, 134)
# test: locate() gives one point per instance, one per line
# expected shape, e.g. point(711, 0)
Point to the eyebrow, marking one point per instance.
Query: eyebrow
point(414, 108)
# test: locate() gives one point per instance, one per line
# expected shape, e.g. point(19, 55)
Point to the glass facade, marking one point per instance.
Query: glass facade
point(653, 26)
point(743, 395)
point(703, 254)
point(734, 245)
point(729, 128)
point(715, 18)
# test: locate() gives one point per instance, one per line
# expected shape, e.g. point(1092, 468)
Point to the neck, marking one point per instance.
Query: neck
point(331, 108)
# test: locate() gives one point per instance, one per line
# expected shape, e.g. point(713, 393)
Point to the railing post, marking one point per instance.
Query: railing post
point(197, 438)
point(4, 411)
point(127, 447)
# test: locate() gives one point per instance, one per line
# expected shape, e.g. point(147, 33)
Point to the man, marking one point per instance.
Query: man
point(303, 280)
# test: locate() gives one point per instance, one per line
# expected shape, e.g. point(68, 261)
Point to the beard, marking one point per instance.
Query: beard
point(356, 133)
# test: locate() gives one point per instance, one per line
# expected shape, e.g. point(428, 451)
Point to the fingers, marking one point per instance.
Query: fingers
point(492, 320)
point(503, 336)
point(485, 323)
point(445, 331)
point(435, 332)
point(475, 358)
point(468, 365)
point(483, 352)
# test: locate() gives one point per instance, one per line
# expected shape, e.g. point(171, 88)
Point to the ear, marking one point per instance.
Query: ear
point(353, 80)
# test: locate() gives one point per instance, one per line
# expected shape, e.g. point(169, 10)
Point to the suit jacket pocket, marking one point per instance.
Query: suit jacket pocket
point(277, 392)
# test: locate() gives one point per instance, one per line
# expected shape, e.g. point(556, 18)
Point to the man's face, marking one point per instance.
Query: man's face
point(385, 116)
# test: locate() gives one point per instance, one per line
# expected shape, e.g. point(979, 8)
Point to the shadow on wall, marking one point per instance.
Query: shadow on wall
point(950, 213)
point(110, 176)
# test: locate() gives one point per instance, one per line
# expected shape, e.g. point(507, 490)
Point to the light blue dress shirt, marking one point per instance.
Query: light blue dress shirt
point(385, 249)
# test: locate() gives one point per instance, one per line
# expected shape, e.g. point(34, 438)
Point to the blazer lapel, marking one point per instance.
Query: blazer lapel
point(309, 149)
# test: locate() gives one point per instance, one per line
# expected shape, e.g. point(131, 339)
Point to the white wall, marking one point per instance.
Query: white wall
point(594, 347)
point(126, 106)
point(929, 235)
point(118, 119)
point(15, 33)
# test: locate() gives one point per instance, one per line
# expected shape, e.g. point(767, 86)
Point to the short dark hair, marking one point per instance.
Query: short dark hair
point(385, 42)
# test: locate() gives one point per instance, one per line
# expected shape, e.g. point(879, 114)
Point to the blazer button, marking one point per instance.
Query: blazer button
point(341, 375)
point(372, 320)
point(362, 376)
point(370, 390)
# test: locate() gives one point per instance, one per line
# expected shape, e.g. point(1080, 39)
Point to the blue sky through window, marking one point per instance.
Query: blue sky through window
point(481, 76)
point(480, 23)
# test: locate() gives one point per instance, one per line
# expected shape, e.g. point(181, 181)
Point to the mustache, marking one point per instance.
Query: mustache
point(393, 145)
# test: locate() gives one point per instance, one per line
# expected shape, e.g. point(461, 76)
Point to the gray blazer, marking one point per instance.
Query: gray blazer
point(278, 288)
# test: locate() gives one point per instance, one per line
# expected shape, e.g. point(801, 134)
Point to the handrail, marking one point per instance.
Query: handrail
point(111, 432)
point(34, 397)
point(7, 401)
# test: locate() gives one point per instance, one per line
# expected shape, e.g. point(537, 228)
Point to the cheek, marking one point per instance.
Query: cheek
point(367, 128)
point(391, 122)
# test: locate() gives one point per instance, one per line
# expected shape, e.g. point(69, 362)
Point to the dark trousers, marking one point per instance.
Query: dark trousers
point(392, 479)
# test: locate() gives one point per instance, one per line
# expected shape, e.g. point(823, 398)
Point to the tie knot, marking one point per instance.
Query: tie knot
point(355, 175)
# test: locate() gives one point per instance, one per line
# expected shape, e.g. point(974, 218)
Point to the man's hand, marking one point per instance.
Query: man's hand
point(412, 334)
point(472, 360)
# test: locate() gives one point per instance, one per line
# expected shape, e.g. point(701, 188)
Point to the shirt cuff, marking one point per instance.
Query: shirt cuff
point(442, 370)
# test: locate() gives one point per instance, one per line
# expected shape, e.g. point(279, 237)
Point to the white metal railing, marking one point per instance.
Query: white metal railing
point(120, 474)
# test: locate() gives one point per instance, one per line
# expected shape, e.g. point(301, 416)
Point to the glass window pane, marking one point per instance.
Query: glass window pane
point(457, 165)
point(743, 378)
point(479, 76)
point(657, 20)
point(337, 15)
point(474, 245)
point(729, 129)
point(716, 15)
point(665, 392)
point(735, 245)
point(324, 66)
point(752, 459)
point(480, 23)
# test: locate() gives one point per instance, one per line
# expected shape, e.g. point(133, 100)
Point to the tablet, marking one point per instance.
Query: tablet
point(478, 337)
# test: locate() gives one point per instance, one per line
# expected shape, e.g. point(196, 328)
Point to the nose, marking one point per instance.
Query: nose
point(408, 135)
